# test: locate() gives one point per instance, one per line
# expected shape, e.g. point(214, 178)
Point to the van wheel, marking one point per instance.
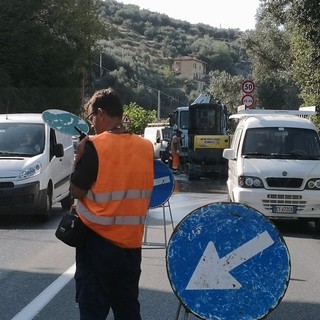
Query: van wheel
point(67, 202)
point(45, 213)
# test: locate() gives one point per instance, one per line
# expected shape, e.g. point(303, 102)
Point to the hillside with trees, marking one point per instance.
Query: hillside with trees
point(56, 53)
point(45, 51)
point(137, 59)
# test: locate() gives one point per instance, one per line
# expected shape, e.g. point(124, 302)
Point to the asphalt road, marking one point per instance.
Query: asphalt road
point(36, 270)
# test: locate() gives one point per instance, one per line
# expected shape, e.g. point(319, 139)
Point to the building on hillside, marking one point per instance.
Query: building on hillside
point(191, 68)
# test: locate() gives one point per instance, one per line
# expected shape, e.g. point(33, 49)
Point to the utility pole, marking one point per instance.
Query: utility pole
point(159, 105)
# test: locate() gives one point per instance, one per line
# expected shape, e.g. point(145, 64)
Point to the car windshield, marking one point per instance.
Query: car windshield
point(281, 143)
point(21, 139)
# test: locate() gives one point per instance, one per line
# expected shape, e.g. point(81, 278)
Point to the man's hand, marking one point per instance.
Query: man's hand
point(80, 148)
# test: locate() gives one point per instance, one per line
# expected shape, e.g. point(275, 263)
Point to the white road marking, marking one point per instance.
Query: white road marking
point(39, 302)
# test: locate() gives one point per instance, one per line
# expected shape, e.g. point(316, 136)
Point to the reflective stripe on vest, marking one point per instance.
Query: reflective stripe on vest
point(118, 195)
point(108, 221)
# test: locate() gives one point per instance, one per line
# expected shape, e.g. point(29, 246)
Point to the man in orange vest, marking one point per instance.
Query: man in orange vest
point(113, 182)
point(176, 151)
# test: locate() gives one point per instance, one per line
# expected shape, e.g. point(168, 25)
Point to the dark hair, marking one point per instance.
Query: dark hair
point(107, 100)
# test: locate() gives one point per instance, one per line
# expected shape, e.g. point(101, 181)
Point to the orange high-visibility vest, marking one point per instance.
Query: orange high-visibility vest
point(116, 205)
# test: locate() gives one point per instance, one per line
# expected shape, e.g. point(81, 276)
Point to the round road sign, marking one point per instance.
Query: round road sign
point(248, 86)
point(248, 100)
point(163, 185)
point(65, 122)
point(228, 261)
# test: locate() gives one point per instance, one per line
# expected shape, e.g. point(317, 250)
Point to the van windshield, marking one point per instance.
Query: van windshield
point(21, 139)
point(281, 143)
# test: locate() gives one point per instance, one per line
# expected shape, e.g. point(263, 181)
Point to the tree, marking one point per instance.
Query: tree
point(216, 54)
point(139, 117)
point(269, 50)
point(306, 68)
point(45, 50)
point(302, 19)
point(226, 88)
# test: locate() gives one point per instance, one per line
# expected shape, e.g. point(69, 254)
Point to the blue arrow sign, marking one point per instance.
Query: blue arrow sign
point(227, 261)
point(65, 122)
point(163, 184)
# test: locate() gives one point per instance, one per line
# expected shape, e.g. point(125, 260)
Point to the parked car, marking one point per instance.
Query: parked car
point(160, 136)
point(36, 163)
point(274, 165)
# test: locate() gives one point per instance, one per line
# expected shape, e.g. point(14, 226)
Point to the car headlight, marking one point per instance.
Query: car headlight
point(313, 184)
point(30, 171)
point(250, 182)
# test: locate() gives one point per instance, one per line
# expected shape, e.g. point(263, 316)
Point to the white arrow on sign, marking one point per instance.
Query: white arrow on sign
point(212, 273)
point(162, 180)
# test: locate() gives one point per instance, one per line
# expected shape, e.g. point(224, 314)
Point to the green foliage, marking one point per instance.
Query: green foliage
point(217, 54)
point(301, 21)
point(169, 76)
point(45, 49)
point(306, 68)
point(50, 54)
point(145, 47)
point(139, 117)
point(226, 88)
point(269, 49)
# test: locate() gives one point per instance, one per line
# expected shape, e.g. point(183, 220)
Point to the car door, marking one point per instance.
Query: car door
point(59, 174)
point(234, 165)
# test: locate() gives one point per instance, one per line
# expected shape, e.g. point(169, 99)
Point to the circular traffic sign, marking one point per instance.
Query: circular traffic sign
point(248, 100)
point(248, 86)
point(65, 122)
point(163, 185)
point(228, 261)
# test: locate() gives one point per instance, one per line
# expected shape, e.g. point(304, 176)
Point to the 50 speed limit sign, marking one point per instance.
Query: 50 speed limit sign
point(248, 86)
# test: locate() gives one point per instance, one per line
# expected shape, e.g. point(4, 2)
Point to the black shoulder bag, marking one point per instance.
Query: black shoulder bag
point(71, 230)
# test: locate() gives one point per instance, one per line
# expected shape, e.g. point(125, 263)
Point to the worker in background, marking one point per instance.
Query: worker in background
point(176, 151)
point(113, 182)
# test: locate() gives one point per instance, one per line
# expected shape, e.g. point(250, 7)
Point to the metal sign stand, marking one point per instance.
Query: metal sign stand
point(185, 313)
point(155, 245)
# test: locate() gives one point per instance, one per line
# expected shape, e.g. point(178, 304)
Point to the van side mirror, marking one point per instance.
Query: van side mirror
point(158, 140)
point(229, 154)
point(58, 150)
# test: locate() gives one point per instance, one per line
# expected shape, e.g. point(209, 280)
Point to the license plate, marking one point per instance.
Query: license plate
point(284, 209)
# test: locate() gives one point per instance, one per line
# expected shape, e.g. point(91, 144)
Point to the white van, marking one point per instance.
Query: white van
point(160, 135)
point(274, 165)
point(36, 163)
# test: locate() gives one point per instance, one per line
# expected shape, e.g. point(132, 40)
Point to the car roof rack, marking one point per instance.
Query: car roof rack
point(243, 112)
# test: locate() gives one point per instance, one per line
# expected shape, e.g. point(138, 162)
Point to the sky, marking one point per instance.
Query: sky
point(216, 13)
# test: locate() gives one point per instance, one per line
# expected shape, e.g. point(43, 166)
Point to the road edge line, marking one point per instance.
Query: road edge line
point(39, 302)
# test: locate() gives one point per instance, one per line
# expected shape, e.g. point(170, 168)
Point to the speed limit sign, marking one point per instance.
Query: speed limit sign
point(248, 86)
